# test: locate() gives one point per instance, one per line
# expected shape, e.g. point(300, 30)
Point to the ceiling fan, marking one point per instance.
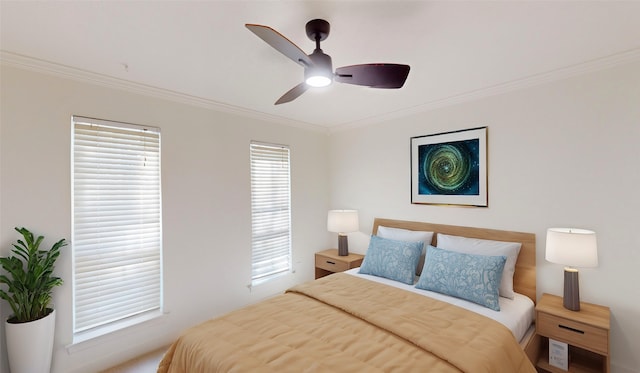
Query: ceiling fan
point(318, 70)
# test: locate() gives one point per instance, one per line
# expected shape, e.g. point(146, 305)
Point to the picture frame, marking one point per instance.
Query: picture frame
point(450, 168)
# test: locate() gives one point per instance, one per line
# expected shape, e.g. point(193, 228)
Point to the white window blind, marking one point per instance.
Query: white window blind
point(270, 211)
point(116, 222)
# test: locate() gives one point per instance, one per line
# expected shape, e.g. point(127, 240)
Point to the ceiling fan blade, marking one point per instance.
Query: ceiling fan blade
point(281, 44)
point(293, 93)
point(375, 75)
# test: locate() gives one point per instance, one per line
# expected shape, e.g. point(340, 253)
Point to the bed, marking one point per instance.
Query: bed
point(353, 321)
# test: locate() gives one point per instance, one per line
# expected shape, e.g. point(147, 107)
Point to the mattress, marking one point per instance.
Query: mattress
point(516, 314)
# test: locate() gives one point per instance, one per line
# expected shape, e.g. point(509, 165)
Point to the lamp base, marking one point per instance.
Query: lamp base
point(571, 299)
point(343, 245)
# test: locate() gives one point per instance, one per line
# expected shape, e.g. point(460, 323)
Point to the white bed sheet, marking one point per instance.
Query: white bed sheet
point(517, 314)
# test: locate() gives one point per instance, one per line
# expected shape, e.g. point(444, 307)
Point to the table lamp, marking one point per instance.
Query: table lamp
point(343, 222)
point(574, 248)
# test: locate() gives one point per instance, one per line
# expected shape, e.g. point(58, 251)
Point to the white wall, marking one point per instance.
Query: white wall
point(206, 206)
point(560, 154)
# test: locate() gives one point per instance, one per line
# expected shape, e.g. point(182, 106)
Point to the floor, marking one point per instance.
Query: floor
point(147, 363)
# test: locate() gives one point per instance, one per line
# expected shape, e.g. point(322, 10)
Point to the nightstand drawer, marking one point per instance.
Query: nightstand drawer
point(331, 264)
point(328, 262)
point(574, 333)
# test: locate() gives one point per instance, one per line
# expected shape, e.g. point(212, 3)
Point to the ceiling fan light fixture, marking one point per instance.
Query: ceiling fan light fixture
point(320, 74)
point(318, 81)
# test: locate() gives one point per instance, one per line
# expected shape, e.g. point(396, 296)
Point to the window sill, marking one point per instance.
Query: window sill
point(272, 278)
point(95, 337)
point(273, 286)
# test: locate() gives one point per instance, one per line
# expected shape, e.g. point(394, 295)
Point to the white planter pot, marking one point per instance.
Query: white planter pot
point(30, 345)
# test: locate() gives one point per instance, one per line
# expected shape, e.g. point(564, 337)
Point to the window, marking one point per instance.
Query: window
point(117, 238)
point(270, 212)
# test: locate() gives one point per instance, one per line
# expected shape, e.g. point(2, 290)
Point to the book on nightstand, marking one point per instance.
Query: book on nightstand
point(558, 354)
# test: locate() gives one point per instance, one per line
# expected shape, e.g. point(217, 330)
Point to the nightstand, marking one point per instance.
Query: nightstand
point(585, 331)
point(328, 262)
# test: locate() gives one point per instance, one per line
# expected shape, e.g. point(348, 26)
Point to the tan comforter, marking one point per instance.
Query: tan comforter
point(342, 323)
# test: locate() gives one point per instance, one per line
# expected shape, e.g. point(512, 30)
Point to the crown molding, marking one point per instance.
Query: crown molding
point(84, 76)
point(603, 63)
point(41, 66)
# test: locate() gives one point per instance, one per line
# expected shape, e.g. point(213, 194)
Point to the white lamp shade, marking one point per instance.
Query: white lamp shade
point(572, 247)
point(342, 221)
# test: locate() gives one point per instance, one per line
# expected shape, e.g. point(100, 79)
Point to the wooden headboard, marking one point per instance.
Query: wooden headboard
point(524, 279)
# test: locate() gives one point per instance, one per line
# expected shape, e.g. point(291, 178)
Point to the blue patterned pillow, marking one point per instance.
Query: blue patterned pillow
point(475, 278)
point(395, 260)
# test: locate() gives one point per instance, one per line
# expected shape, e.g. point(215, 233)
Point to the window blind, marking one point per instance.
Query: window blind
point(270, 211)
point(116, 222)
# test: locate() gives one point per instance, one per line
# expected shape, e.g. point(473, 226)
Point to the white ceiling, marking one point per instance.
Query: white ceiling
point(200, 51)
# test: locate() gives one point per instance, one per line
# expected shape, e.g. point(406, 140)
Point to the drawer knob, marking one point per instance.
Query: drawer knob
point(570, 329)
point(330, 262)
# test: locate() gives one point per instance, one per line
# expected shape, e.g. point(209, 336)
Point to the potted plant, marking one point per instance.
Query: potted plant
point(30, 282)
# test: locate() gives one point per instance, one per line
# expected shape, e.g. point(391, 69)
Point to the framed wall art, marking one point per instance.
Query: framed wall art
point(450, 168)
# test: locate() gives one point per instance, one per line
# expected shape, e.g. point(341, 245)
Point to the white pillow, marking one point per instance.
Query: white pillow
point(410, 236)
point(486, 247)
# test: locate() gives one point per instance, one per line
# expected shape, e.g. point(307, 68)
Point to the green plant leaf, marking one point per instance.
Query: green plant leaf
point(29, 277)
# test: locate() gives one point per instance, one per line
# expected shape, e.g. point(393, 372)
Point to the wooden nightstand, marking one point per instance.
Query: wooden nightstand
point(585, 331)
point(328, 262)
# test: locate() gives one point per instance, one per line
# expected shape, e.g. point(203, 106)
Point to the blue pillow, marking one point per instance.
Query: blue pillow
point(395, 260)
point(475, 278)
